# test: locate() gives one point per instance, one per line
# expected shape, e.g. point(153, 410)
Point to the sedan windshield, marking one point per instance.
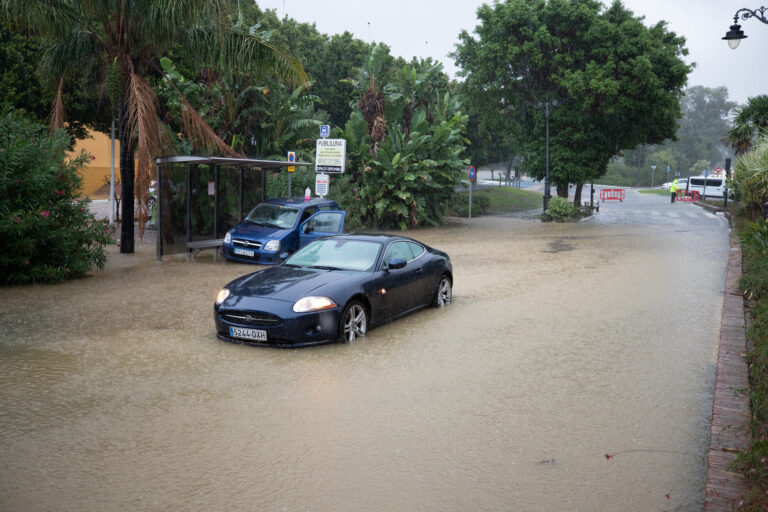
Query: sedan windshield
point(334, 253)
point(273, 215)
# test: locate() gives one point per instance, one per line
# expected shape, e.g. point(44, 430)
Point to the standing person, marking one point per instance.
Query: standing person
point(673, 189)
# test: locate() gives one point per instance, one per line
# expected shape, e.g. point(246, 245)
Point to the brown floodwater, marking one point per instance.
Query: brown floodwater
point(573, 371)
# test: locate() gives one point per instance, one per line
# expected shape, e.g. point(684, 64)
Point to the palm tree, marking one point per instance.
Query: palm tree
point(751, 118)
point(119, 42)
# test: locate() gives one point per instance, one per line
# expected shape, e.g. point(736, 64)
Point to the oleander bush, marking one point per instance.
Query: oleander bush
point(47, 232)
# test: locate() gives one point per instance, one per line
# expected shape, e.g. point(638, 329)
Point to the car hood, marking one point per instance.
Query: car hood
point(257, 231)
point(290, 283)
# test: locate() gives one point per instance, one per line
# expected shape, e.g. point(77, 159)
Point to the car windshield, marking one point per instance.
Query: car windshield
point(337, 254)
point(273, 215)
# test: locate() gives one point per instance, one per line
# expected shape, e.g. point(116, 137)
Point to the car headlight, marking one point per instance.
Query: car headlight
point(222, 296)
point(308, 304)
point(228, 237)
point(272, 245)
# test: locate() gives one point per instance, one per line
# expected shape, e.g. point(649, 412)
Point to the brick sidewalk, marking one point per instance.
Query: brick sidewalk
point(730, 431)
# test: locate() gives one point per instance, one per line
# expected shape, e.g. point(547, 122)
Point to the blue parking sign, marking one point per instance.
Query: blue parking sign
point(325, 130)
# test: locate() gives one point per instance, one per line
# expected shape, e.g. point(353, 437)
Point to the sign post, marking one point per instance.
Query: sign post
point(471, 174)
point(330, 155)
point(291, 169)
point(321, 185)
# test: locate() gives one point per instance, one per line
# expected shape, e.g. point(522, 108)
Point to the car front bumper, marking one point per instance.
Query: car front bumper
point(292, 329)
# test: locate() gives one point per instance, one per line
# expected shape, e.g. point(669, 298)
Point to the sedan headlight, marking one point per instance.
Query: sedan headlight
point(228, 237)
point(222, 296)
point(308, 304)
point(272, 245)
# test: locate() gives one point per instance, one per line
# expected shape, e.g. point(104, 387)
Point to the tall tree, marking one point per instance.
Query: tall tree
point(117, 44)
point(617, 81)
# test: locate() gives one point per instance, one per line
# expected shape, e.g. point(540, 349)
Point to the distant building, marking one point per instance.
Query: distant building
point(96, 172)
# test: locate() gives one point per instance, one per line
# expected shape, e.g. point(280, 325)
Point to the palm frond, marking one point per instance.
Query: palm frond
point(143, 126)
point(57, 109)
point(197, 129)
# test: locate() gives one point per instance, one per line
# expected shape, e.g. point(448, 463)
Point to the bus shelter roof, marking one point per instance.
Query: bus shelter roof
point(221, 160)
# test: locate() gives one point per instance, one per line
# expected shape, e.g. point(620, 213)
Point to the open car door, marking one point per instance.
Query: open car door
point(322, 223)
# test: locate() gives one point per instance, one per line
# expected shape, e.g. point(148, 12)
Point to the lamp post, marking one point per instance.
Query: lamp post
point(653, 171)
point(547, 106)
point(735, 34)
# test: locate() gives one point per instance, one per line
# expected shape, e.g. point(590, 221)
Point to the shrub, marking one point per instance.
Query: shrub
point(754, 280)
point(46, 233)
point(561, 210)
point(750, 178)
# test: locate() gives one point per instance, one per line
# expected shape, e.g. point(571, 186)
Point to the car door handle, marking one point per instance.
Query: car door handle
point(418, 270)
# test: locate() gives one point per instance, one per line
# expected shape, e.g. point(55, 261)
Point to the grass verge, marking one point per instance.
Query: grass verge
point(495, 200)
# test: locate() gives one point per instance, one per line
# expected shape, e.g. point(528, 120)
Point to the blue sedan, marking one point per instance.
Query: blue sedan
point(333, 289)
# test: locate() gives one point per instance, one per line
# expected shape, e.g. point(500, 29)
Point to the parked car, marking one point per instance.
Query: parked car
point(681, 184)
point(278, 227)
point(335, 288)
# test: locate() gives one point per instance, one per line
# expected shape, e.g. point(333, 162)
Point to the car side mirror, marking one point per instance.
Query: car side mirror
point(396, 263)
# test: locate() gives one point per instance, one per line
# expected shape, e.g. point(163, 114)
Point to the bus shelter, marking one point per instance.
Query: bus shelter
point(199, 198)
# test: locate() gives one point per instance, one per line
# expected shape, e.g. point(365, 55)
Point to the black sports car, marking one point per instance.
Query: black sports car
point(335, 288)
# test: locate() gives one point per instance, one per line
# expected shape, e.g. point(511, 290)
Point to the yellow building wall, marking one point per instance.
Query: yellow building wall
point(97, 171)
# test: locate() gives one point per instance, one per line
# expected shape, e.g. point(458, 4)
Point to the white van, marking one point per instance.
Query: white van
point(709, 186)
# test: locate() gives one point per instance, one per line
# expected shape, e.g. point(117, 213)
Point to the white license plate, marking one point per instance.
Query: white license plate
point(248, 334)
point(244, 252)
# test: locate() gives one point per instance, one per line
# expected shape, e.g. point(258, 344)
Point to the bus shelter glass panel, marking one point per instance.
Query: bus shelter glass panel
point(252, 193)
point(202, 202)
point(174, 208)
point(229, 200)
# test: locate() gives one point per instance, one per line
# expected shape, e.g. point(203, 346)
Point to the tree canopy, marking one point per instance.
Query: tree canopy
point(116, 46)
point(617, 81)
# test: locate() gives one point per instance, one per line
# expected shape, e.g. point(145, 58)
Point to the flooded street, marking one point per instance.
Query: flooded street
point(571, 372)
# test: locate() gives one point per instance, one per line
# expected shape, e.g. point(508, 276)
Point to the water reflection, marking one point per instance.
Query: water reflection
point(564, 343)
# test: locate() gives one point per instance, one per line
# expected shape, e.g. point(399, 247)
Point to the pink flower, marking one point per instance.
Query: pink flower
point(93, 157)
point(17, 220)
point(26, 262)
point(45, 213)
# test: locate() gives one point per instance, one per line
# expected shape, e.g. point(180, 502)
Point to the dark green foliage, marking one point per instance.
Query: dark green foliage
point(46, 233)
point(406, 183)
point(20, 84)
point(754, 238)
point(754, 462)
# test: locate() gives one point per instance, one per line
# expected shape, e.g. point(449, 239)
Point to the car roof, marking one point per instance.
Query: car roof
point(373, 237)
point(300, 202)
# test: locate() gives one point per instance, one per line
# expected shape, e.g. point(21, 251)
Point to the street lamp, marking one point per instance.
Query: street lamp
point(653, 171)
point(547, 106)
point(735, 34)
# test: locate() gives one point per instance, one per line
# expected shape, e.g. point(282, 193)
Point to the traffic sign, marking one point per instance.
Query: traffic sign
point(321, 185)
point(472, 174)
point(325, 130)
point(330, 155)
point(291, 159)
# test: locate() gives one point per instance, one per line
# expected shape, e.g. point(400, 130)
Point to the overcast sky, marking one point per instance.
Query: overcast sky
point(430, 28)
